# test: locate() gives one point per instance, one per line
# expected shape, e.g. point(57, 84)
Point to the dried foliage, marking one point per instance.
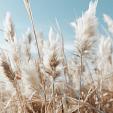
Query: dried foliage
point(48, 81)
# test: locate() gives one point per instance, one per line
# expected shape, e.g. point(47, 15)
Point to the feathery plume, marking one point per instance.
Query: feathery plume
point(53, 39)
point(85, 26)
point(28, 36)
point(105, 53)
point(26, 45)
point(51, 67)
point(105, 47)
point(9, 28)
point(30, 78)
point(85, 29)
point(52, 58)
point(108, 20)
point(8, 71)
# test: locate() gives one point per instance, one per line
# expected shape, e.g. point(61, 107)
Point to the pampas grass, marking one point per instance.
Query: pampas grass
point(108, 20)
point(85, 29)
point(9, 28)
point(51, 82)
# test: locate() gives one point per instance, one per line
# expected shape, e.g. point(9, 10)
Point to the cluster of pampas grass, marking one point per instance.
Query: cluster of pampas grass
point(37, 76)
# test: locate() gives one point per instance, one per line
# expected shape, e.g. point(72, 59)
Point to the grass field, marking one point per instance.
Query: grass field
point(37, 76)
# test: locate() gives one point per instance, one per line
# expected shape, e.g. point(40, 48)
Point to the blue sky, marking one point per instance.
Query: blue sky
point(45, 12)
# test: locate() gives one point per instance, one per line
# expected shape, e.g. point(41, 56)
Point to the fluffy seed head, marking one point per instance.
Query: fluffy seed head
point(7, 70)
point(9, 28)
point(109, 22)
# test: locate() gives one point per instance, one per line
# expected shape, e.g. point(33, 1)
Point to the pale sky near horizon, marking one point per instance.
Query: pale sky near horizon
point(45, 12)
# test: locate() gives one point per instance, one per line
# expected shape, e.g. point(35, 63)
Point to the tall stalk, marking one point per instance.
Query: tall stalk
point(81, 72)
point(45, 95)
point(53, 90)
point(29, 11)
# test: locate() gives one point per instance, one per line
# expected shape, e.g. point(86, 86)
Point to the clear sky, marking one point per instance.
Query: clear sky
point(45, 12)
